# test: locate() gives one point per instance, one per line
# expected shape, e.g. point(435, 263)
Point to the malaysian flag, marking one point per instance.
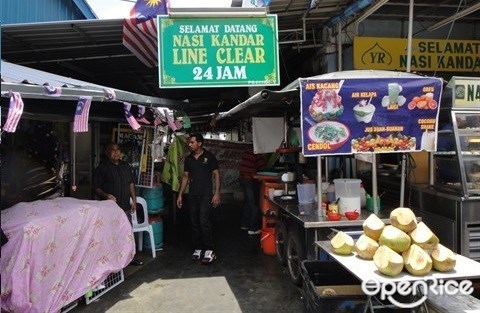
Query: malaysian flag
point(178, 124)
point(140, 30)
point(141, 115)
point(130, 119)
point(80, 122)
point(14, 113)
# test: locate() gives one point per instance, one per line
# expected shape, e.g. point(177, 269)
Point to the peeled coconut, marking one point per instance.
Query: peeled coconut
point(373, 226)
point(444, 259)
point(417, 261)
point(366, 247)
point(424, 237)
point(387, 261)
point(342, 243)
point(404, 219)
point(394, 238)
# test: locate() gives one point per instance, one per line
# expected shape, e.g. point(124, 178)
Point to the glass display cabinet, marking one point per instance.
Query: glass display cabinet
point(457, 160)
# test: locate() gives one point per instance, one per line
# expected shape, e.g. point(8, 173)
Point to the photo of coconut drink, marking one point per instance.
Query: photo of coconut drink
point(364, 111)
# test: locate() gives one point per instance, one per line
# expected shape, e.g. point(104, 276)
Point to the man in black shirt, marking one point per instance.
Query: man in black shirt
point(113, 180)
point(199, 168)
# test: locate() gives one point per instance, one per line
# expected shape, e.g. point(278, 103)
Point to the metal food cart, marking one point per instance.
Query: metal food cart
point(369, 112)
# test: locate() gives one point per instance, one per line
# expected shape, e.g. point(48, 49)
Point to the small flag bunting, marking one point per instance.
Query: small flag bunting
point(170, 121)
point(80, 122)
point(141, 115)
point(130, 119)
point(14, 112)
point(159, 117)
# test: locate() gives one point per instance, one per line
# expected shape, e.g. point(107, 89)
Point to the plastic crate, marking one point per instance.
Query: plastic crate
point(69, 306)
point(330, 288)
point(111, 281)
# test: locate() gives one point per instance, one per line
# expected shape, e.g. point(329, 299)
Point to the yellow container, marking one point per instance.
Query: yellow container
point(333, 207)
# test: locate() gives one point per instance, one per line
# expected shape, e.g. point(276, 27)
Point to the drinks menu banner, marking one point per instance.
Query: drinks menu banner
point(376, 115)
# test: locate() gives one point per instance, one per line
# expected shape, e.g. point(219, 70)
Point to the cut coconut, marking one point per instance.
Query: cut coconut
point(444, 259)
point(404, 219)
point(417, 261)
point(366, 247)
point(342, 243)
point(424, 237)
point(387, 261)
point(373, 226)
point(394, 238)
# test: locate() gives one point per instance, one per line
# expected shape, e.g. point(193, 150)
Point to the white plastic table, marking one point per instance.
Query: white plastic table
point(366, 271)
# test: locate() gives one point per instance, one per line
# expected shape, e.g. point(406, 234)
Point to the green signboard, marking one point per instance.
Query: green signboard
point(218, 52)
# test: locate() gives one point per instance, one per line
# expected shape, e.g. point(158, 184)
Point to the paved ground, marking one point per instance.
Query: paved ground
point(242, 279)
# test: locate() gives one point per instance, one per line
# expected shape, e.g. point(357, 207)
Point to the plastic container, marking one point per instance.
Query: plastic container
point(306, 193)
point(321, 275)
point(348, 193)
point(157, 236)
point(267, 241)
point(264, 202)
point(154, 198)
point(369, 201)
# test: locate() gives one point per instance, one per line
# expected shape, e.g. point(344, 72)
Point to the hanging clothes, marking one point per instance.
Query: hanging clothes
point(173, 169)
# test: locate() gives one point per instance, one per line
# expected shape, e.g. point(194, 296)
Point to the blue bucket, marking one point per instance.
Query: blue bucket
point(154, 199)
point(157, 235)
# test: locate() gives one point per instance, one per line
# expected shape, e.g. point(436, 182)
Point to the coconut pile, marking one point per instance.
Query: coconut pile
point(405, 244)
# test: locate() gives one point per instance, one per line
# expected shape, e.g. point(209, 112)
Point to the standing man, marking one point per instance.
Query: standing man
point(250, 164)
point(199, 167)
point(113, 180)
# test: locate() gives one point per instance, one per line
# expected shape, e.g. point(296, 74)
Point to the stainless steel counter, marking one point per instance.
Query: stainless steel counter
point(307, 215)
point(303, 221)
point(453, 218)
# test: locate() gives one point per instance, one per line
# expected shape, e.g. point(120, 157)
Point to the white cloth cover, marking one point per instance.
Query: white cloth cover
point(268, 134)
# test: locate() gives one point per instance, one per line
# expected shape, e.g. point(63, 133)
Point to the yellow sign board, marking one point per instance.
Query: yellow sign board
point(377, 53)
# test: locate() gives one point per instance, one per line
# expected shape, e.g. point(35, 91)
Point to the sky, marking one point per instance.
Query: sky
point(106, 9)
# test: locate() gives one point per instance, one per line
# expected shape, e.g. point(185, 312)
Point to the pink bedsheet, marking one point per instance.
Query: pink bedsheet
point(59, 249)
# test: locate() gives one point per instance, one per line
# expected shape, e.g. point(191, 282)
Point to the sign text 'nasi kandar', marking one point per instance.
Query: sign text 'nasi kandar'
point(218, 52)
point(427, 54)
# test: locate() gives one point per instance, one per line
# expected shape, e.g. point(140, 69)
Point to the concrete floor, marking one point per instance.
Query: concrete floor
point(242, 279)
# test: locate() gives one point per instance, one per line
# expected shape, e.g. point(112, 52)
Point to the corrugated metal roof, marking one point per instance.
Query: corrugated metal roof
point(92, 50)
point(14, 11)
